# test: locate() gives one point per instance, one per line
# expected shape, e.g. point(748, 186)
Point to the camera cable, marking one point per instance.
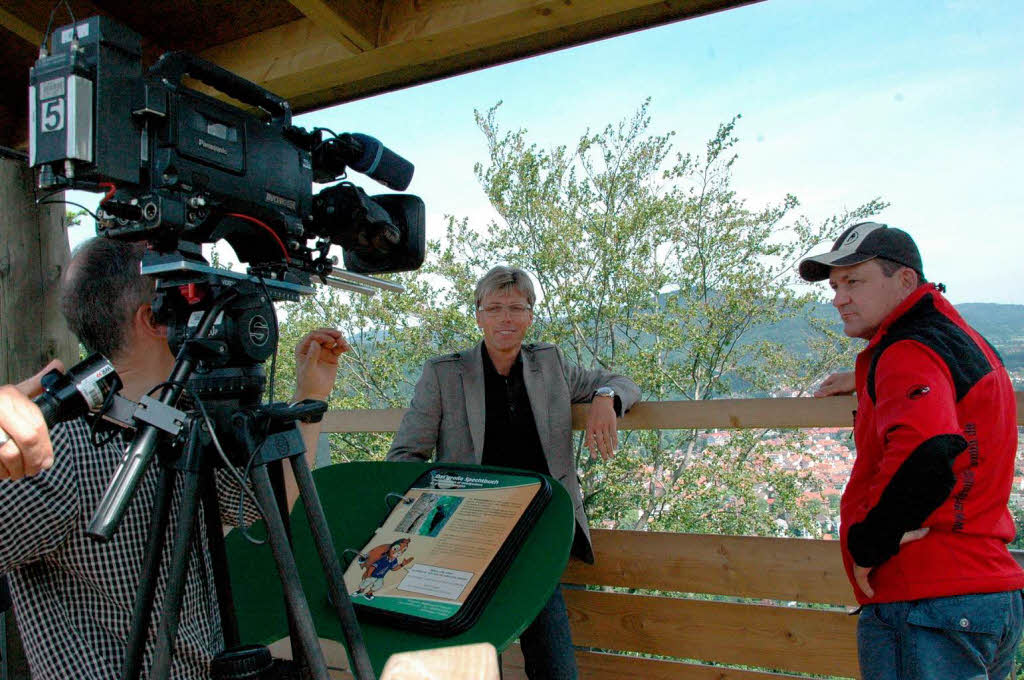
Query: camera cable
point(229, 467)
point(49, 24)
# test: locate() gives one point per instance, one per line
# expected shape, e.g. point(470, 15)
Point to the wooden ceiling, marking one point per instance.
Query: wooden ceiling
point(317, 53)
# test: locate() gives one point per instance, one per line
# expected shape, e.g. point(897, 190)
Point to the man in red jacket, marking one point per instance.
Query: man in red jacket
point(924, 516)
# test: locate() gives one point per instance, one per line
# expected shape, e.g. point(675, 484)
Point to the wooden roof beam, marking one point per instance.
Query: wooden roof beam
point(20, 28)
point(353, 23)
point(422, 40)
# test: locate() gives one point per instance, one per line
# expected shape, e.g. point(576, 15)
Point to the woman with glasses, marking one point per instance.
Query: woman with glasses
point(508, 404)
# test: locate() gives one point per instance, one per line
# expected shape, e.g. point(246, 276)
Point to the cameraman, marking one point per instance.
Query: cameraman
point(74, 596)
point(27, 448)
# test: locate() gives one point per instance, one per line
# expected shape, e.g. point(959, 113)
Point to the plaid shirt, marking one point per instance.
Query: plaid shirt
point(73, 596)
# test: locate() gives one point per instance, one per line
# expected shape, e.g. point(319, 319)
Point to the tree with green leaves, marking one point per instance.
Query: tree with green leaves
point(649, 264)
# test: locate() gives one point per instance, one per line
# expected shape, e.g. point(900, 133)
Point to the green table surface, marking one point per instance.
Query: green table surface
point(352, 495)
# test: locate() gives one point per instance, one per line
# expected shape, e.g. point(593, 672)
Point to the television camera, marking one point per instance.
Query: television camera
point(179, 169)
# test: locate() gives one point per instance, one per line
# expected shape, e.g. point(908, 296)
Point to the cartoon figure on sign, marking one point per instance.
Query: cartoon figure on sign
point(378, 562)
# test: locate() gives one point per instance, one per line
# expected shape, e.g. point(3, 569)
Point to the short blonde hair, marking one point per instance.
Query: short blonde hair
point(504, 278)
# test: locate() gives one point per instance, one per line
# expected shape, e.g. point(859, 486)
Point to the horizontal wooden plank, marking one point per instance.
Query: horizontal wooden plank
point(363, 420)
point(795, 412)
point(733, 414)
point(804, 570)
point(598, 666)
point(602, 666)
point(771, 637)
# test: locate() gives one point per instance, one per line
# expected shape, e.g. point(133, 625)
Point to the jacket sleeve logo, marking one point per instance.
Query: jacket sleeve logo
point(918, 391)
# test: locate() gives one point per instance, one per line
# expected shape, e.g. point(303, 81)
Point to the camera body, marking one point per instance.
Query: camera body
point(181, 167)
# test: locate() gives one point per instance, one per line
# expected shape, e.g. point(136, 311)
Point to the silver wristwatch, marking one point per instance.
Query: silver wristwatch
point(604, 392)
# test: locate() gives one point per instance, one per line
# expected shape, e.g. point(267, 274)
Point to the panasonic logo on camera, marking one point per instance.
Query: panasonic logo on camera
point(213, 147)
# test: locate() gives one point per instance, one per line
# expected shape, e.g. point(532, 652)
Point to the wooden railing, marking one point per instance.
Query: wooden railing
point(774, 606)
point(670, 415)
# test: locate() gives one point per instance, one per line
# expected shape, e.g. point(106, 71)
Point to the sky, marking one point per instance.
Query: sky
point(918, 103)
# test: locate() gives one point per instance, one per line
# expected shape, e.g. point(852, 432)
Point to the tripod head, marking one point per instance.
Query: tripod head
point(222, 328)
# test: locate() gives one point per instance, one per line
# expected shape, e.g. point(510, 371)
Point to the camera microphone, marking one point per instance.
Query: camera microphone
point(380, 163)
point(83, 389)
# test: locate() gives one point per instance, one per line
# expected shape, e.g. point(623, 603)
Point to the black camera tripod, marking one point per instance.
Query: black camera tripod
point(265, 435)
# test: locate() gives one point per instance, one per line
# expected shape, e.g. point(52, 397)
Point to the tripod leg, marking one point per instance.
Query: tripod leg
point(332, 569)
point(289, 573)
point(219, 561)
point(142, 610)
point(182, 547)
point(275, 470)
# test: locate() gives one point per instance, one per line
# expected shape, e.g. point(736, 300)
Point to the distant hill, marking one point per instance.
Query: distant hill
point(1002, 325)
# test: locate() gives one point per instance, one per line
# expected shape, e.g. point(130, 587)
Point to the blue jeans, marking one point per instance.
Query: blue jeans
point(964, 637)
point(547, 643)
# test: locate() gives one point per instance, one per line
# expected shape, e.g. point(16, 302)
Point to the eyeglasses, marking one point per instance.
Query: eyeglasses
point(499, 310)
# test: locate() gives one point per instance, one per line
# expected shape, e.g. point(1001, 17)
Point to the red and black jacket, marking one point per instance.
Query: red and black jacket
point(936, 437)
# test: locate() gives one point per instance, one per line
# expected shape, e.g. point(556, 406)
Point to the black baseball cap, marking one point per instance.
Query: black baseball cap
point(862, 242)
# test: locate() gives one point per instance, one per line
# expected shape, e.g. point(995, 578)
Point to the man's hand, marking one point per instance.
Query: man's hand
point(316, 367)
point(860, 574)
point(837, 384)
point(602, 428)
point(316, 363)
point(29, 449)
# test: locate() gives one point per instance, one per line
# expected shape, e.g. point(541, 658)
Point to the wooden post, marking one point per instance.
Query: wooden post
point(33, 254)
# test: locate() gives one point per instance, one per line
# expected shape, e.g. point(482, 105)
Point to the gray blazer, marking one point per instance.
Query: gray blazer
point(447, 413)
